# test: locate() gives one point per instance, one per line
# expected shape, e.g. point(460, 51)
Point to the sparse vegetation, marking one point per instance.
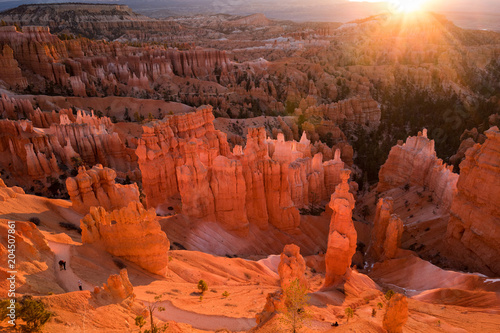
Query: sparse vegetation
point(70, 226)
point(35, 220)
point(225, 294)
point(296, 303)
point(349, 312)
point(202, 286)
point(388, 295)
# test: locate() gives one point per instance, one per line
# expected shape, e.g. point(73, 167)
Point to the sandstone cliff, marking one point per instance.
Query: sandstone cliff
point(415, 163)
point(474, 225)
point(131, 232)
point(97, 187)
point(386, 233)
point(342, 236)
point(264, 183)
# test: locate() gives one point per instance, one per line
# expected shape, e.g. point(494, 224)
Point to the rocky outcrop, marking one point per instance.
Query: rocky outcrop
point(264, 183)
point(119, 287)
point(10, 72)
point(82, 67)
point(386, 233)
point(39, 157)
point(292, 266)
point(131, 232)
point(415, 163)
point(396, 314)
point(342, 236)
point(162, 148)
point(97, 187)
point(275, 302)
point(228, 187)
point(474, 225)
point(7, 193)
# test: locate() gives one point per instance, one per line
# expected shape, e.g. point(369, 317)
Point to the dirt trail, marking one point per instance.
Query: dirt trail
point(204, 322)
point(67, 279)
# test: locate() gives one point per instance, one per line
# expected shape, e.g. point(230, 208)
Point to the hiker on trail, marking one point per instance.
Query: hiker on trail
point(80, 285)
point(61, 264)
point(64, 264)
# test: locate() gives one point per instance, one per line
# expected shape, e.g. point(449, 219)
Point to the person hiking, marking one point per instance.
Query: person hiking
point(80, 285)
point(61, 264)
point(64, 264)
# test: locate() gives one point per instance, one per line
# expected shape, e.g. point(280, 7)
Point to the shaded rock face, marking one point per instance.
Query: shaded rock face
point(415, 163)
point(86, 67)
point(97, 187)
point(275, 302)
point(263, 183)
point(9, 69)
point(342, 237)
point(387, 231)
point(474, 225)
point(131, 232)
point(396, 315)
point(292, 266)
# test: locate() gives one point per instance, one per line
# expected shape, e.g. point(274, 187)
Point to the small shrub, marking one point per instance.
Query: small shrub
point(34, 314)
point(202, 286)
point(349, 312)
point(140, 321)
point(380, 305)
point(225, 294)
point(35, 220)
point(201, 298)
point(374, 312)
point(70, 226)
point(248, 276)
point(389, 294)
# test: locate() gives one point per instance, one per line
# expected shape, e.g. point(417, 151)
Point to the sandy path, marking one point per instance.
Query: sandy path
point(201, 321)
point(67, 279)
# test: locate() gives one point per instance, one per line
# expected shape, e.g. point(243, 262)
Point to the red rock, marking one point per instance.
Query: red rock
point(130, 232)
point(474, 225)
point(416, 163)
point(396, 314)
point(292, 266)
point(97, 187)
point(386, 233)
point(342, 237)
point(119, 286)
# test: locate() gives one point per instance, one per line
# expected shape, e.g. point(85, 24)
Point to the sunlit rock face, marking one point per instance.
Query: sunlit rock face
point(415, 163)
point(396, 314)
point(474, 225)
point(118, 286)
point(292, 266)
point(97, 187)
point(386, 233)
point(342, 237)
point(264, 183)
point(131, 232)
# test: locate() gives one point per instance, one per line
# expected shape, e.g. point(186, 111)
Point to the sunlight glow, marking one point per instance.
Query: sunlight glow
point(407, 6)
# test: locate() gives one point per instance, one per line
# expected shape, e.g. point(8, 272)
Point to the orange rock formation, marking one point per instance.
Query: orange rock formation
point(396, 314)
point(292, 266)
point(342, 237)
point(264, 183)
point(387, 231)
point(97, 187)
point(130, 232)
point(473, 228)
point(415, 163)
